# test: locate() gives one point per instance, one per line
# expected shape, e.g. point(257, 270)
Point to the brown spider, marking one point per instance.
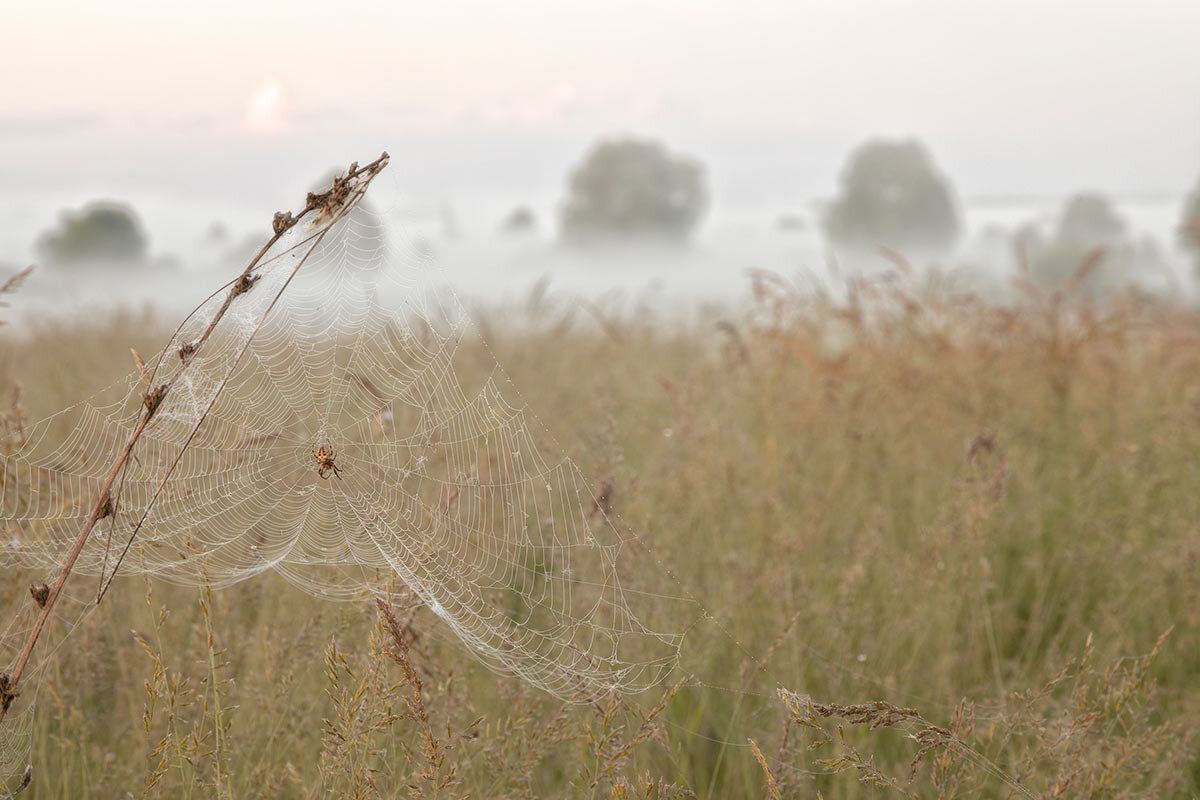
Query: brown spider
point(324, 456)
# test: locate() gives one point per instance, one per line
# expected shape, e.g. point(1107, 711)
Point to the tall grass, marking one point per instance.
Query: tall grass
point(952, 534)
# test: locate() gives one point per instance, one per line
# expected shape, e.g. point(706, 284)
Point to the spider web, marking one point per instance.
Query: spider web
point(445, 489)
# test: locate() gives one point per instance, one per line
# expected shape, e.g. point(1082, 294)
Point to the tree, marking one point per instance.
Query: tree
point(1088, 221)
point(1090, 217)
point(102, 232)
point(893, 196)
point(633, 189)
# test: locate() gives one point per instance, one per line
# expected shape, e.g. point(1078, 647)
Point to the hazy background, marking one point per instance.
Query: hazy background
point(207, 120)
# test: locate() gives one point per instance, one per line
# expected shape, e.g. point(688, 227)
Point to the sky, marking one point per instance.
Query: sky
point(223, 107)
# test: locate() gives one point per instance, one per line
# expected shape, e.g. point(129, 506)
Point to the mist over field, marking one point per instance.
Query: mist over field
point(770, 100)
point(640, 401)
point(472, 252)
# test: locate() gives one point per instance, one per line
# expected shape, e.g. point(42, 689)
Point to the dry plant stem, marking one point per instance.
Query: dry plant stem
point(65, 572)
point(153, 399)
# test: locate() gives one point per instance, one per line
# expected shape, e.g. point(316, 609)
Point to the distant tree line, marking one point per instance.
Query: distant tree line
point(890, 194)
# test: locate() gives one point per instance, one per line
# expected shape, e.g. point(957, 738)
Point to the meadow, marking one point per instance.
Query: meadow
point(932, 547)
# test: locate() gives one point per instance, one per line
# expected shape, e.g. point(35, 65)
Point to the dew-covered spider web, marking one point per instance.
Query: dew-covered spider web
point(445, 487)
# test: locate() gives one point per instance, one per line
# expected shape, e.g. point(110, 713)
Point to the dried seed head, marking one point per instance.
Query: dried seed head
point(244, 284)
point(39, 593)
point(106, 510)
point(8, 691)
point(152, 400)
point(282, 223)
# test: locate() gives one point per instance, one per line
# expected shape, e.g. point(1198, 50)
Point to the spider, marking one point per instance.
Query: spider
point(324, 456)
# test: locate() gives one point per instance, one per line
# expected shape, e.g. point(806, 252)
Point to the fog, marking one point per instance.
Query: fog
point(1019, 106)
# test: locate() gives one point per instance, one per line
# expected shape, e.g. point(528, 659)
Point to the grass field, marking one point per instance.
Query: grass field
point(986, 518)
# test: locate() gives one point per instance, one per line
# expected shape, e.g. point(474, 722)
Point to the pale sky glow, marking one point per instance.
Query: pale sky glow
point(1011, 97)
point(268, 112)
point(936, 66)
